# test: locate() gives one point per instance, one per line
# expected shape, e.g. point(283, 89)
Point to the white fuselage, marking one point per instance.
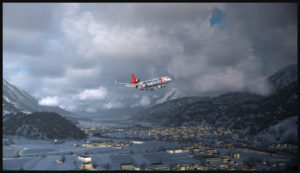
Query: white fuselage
point(154, 83)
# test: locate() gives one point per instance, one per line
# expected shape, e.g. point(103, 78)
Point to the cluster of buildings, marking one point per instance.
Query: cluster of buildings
point(178, 133)
point(152, 167)
point(209, 158)
point(284, 146)
point(119, 145)
point(105, 144)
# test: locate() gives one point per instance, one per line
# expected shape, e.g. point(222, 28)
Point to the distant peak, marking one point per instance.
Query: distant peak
point(284, 77)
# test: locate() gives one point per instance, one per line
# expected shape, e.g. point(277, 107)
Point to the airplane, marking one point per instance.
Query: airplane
point(148, 84)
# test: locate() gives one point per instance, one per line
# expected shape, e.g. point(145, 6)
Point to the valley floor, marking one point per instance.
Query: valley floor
point(27, 154)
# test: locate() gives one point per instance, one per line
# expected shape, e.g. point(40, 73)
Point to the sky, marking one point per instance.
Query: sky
point(70, 54)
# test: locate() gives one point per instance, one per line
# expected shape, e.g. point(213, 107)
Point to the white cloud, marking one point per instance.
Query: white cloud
point(68, 48)
point(135, 96)
point(145, 101)
point(93, 94)
point(93, 38)
point(113, 104)
point(49, 101)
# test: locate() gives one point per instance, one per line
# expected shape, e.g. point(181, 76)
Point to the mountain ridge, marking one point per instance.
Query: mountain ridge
point(17, 100)
point(248, 112)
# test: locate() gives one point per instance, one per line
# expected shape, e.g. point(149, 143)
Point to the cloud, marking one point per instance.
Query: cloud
point(206, 48)
point(113, 104)
point(49, 101)
point(93, 94)
point(135, 96)
point(145, 101)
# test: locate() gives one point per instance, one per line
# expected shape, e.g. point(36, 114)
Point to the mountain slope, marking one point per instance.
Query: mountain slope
point(15, 100)
point(283, 132)
point(250, 113)
point(284, 77)
point(41, 125)
point(172, 94)
point(158, 114)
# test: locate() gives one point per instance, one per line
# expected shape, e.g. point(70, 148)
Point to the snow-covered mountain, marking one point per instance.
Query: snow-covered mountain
point(130, 105)
point(160, 114)
point(250, 113)
point(16, 100)
point(283, 132)
point(171, 94)
point(284, 77)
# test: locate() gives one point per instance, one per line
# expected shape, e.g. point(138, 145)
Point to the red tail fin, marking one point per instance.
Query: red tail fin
point(133, 79)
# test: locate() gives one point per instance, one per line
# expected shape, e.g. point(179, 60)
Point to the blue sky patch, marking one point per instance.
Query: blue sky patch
point(18, 69)
point(217, 17)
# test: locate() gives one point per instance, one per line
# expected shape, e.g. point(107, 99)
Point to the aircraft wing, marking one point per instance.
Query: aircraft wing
point(130, 85)
point(127, 84)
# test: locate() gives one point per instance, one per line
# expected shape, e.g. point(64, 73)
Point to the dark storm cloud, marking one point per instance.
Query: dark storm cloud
point(272, 29)
point(72, 50)
point(26, 26)
point(28, 16)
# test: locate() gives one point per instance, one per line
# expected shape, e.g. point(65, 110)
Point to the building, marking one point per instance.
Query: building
point(184, 168)
point(58, 141)
point(225, 160)
point(176, 151)
point(157, 167)
point(127, 166)
point(137, 142)
point(249, 168)
point(86, 162)
point(174, 167)
point(213, 159)
point(84, 159)
point(201, 167)
point(222, 167)
point(208, 158)
point(87, 166)
point(76, 145)
point(280, 163)
point(59, 161)
point(235, 155)
point(210, 151)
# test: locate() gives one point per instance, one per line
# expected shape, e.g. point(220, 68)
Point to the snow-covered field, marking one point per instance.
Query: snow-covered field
point(43, 155)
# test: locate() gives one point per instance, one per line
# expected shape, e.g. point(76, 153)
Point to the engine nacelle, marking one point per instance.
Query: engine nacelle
point(159, 86)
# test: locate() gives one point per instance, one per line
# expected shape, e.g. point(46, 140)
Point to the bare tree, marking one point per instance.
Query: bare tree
point(63, 158)
point(143, 166)
point(106, 166)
